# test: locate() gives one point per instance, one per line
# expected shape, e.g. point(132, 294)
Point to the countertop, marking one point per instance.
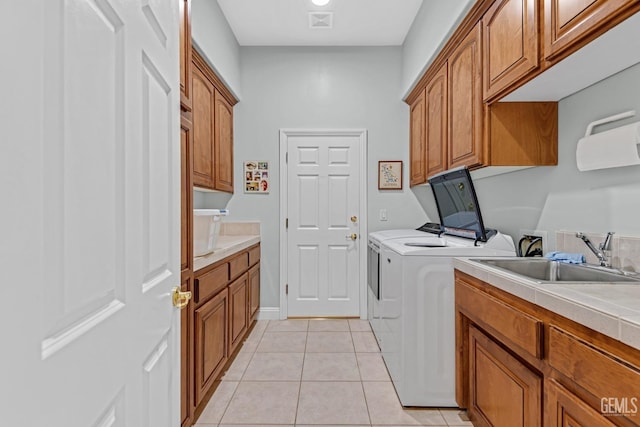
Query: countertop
point(226, 245)
point(612, 309)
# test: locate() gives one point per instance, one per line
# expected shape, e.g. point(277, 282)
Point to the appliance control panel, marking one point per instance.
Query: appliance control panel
point(431, 227)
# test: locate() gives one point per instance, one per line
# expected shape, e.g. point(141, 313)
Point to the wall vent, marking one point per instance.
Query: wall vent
point(321, 20)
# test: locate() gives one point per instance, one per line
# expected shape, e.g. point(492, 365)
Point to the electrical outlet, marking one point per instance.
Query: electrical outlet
point(529, 237)
point(383, 214)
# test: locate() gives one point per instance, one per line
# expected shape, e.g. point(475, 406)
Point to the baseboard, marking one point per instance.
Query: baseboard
point(269, 313)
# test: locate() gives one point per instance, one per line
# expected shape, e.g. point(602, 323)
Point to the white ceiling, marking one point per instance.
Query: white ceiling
point(286, 22)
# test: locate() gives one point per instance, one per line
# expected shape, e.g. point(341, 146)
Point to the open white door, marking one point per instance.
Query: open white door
point(324, 207)
point(90, 217)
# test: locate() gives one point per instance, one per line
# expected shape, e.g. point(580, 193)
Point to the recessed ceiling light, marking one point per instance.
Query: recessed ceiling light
point(320, 2)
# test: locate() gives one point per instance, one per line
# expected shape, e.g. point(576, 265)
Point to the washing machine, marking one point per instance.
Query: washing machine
point(416, 324)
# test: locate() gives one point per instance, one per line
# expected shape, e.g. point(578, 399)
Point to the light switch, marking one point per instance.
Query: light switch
point(383, 214)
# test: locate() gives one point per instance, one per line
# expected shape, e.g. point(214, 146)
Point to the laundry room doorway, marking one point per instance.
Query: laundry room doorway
point(323, 201)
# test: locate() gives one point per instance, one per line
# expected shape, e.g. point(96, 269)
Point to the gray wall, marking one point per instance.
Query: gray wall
point(561, 197)
point(318, 88)
point(213, 37)
point(432, 26)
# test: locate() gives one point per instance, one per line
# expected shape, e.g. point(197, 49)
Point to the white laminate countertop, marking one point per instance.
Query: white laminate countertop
point(226, 245)
point(612, 309)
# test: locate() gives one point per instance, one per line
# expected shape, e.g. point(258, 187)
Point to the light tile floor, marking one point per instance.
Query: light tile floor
point(311, 373)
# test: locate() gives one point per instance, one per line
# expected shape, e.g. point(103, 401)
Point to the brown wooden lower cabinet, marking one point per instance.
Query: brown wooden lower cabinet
point(254, 292)
point(226, 302)
point(211, 326)
point(238, 310)
point(518, 364)
point(504, 392)
point(564, 409)
point(186, 350)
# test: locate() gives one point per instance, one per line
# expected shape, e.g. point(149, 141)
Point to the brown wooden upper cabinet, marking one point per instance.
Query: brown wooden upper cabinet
point(185, 55)
point(212, 128)
point(498, 47)
point(465, 103)
point(203, 108)
point(452, 124)
point(417, 141)
point(437, 114)
point(510, 43)
point(446, 118)
point(570, 24)
point(223, 143)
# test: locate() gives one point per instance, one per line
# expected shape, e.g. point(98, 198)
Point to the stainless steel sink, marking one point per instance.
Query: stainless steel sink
point(543, 270)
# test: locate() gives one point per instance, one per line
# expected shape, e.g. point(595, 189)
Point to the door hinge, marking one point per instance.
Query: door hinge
point(286, 157)
point(286, 289)
point(286, 223)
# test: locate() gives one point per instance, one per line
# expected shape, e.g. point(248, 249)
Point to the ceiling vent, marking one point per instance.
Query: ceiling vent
point(321, 20)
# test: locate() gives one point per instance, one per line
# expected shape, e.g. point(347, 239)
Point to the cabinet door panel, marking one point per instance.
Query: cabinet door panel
point(203, 110)
point(567, 24)
point(465, 103)
point(564, 409)
point(417, 141)
point(503, 391)
point(186, 194)
point(436, 123)
point(211, 342)
point(254, 292)
point(223, 165)
point(510, 43)
point(238, 311)
point(597, 371)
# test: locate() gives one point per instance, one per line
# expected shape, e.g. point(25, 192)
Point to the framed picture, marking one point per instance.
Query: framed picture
point(390, 175)
point(256, 177)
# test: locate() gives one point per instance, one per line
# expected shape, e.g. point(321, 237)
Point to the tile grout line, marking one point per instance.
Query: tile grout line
point(304, 357)
point(364, 394)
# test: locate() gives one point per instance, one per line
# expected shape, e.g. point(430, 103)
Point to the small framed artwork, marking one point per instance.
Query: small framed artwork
point(390, 175)
point(256, 177)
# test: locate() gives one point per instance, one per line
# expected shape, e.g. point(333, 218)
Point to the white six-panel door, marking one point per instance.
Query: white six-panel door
point(91, 243)
point(324, 224)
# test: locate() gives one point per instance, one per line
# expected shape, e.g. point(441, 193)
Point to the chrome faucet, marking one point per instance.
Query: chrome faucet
point(602, 250)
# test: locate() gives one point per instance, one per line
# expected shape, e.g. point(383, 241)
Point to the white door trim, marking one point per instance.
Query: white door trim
point(284, 199)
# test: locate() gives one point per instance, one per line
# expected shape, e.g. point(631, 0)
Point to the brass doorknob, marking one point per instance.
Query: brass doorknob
point(352, 236)
point(180, 299)
point(354, 219)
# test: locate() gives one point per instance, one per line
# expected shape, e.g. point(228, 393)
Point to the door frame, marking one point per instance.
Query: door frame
point(284, 199)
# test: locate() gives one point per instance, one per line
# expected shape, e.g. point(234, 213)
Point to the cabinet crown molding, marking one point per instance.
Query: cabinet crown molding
point(206, 68)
